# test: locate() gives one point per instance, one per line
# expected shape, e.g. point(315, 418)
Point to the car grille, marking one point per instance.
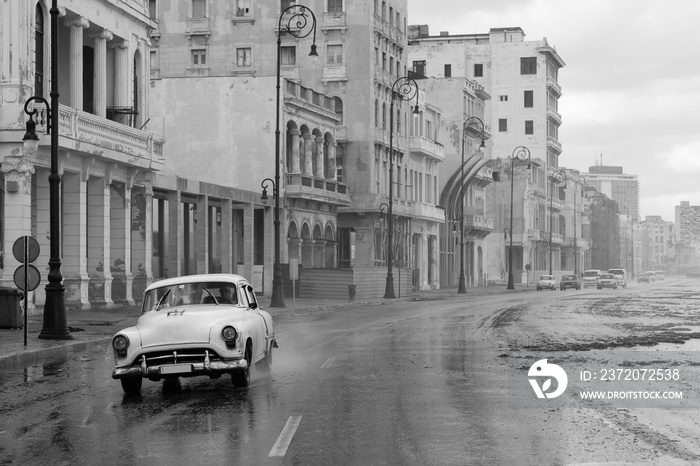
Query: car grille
point(189, 355)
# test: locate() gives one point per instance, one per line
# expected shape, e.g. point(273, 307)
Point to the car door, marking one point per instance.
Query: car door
point(257, 323)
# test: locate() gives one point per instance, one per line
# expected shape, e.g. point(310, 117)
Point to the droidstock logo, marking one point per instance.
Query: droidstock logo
point(551, 371)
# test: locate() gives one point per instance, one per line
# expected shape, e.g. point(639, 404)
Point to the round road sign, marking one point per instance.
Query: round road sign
point(33, 277)
point(32, 249)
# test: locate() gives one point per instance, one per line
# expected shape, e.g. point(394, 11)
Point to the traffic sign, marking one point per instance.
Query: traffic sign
point(33, 277)
point(32, 249)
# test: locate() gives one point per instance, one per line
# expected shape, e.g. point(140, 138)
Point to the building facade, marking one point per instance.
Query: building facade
point(107, 154)
point(687, 237)
point(621, 187)
point(521, 77)
point(659, 252)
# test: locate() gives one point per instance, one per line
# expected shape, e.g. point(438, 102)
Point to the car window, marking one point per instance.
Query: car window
point(569, 277)
point(590, 274)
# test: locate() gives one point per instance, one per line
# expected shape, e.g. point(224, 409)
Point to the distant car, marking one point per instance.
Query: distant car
point(590, 277)
point(546, 282)
point(621, 275)
point(196, 325)
point(607, 280)
point(659, 275)
point(570, 281)
point(650, 276)
point(643, 278)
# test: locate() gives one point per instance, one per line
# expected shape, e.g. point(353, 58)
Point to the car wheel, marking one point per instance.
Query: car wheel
point(241, 379)
point(132, 386)
point(600, 287)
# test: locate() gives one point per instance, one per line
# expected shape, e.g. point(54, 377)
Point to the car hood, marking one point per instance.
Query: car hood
point(184, 324)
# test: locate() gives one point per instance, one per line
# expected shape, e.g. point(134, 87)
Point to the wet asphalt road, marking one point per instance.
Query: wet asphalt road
point(401, 383)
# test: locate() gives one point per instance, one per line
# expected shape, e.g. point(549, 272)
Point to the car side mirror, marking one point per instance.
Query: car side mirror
point(253, 305)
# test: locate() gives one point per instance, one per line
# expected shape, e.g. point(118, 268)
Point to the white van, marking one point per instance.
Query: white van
point(620, 275)
point(590, 278)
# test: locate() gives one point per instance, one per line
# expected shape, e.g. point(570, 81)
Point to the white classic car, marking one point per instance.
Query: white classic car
point(195, 325)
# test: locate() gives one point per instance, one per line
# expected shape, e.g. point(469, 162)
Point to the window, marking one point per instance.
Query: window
point(39, 51)
point(286, 4)
point(384, 61)
point(503, 98)
point(243, 56)
point(335, 6)
point(199, 8)
point(339, 108)
point(199, 58)
point(335, 54)
point(528, 98)
point(242, 7)
point(152, 9)
point(502, 125)
point(478, 70)
point(529, 127)
point(448, 71)
point(289, 55)
point(528, 65)
point(419, 67)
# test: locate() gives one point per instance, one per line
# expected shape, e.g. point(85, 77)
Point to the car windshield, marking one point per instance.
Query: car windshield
point(546, 277)
point(189, 293)
point(590, 274)
point(607, 275)
point(650, 273)
point(569, 277)
point(617, 271)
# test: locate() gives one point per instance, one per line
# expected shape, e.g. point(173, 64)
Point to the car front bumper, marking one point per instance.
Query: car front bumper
point(192, 369)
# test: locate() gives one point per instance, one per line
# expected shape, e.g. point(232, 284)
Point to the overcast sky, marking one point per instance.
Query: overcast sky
point(631, 84)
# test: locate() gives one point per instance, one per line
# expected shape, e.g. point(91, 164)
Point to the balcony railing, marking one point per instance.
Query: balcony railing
point(125, 144)
point(429, 211)
point(304, 186)
point(478, 222)
point(427, 147)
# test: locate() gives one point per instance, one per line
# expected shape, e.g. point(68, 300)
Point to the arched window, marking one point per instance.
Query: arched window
point(339, 108)
point(39, 51)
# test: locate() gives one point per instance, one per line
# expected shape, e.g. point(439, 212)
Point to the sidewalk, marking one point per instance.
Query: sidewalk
point(93, 328)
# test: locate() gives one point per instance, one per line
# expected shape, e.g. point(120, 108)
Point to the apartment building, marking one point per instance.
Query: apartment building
point(521, 77)
point(659, 251)
point(621, 187)
point(107, 154)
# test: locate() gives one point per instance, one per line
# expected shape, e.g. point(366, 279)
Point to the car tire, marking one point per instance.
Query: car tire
point(241, 379)
point(600, 287)
point(132, 385)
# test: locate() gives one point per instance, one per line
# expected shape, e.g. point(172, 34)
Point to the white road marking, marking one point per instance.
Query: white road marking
point(285, 438)
point(328, 362)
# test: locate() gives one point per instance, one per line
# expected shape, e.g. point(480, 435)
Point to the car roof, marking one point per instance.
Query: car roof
point(607, 275)
point(206, 277)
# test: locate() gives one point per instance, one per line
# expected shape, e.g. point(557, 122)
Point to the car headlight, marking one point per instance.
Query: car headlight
point(229, 334)
point(120, 343)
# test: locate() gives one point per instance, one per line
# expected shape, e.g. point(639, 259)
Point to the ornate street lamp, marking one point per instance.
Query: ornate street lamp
point(298, 17)
point(405, 89)
point(55, 326)
point(521, 153)
point(560, 176)
point(474, 128)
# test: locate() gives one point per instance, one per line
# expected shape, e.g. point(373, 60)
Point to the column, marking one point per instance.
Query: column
point(248, 240)
point(432, 262)
point(74, 236)
point(175, 237)
point(98, 243)
point(320, 170)
point(226, 243)
point(308, 155)
point(121, 72)
point(43, 230)
point(201, 237)
point(331, 170)
point(296, 163)
point(120, 220)
point(141, 240)
point(100, 78)
point(76, 60)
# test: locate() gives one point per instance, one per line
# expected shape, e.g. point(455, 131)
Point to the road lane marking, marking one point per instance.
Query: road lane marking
point(285, 438)
point(328, 362)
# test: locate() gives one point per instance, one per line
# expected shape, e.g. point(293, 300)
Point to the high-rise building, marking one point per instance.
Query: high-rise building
point(658, 250)
point(521, 77)
point(620, 187)
point(687, 235)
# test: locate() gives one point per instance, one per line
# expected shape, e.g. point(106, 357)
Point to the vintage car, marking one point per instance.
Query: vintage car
point(621, 275)
point(196, 325)
point(607, 280)
point(646, 277)
point(590, 277)
point(569, 281)
point(659, 275)
point(548, 282)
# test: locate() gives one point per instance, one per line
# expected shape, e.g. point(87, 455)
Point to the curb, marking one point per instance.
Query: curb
point(33, 356)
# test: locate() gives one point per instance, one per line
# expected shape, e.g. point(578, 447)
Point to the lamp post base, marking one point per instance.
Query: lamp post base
point(277, 297)
point(54, 327)
point(462, 289)
point(511, 285)
point(389, 290)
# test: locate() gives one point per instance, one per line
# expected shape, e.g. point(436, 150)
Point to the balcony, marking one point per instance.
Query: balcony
point(300, 186)
point(425, 211)
point(483, 177)
point(554, 144)
point(428, 148)
point(553, 86)
point(303, 97)
point(114, 141)
point(477, 226)
point(197, 26)
point(554, 115)
point(557, 204)
point(334, 22)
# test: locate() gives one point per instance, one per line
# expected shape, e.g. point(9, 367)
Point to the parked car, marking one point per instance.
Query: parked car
point(546, 282)
point(196, 325)
point(648, 276)
point(607, 280)
point(620, 275)
point(590, 277)
point(659, 275)
point(643, 278)
point(570, 281)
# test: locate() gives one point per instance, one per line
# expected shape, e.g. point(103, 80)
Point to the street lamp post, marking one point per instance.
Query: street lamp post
point(54, 326)
point(560, 176)
point(406, 90)
point(296, 25)
point(473, 127)
point(521, 153)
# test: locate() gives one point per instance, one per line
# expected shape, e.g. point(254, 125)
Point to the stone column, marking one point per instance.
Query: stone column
point(296, 166)
point(76, 60)
point(74, 237)
point(320, 166)
point(121, 73)
point(226, 236)
point(248, 240)
point(308, 155)
point(331, 169)
point(100, 67)
point(175, 240)
point(98, 243)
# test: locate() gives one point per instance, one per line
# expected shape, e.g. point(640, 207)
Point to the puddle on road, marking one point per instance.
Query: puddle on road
point(690, 345)
point(37, 371)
